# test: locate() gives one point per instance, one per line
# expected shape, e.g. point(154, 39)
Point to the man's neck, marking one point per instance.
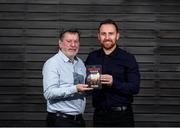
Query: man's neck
point(71, 61)
point(109, 51)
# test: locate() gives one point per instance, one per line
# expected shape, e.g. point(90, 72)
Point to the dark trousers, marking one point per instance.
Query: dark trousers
point(54, 120)
point(103, 118)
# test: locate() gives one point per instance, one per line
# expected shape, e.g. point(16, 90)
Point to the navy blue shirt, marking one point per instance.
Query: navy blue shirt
point(126, 78)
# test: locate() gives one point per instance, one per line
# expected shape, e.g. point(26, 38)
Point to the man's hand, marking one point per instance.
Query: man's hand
point(83, 87)
point(107, 79)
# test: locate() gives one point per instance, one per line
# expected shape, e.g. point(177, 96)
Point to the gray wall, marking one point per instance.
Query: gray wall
point(29, 29)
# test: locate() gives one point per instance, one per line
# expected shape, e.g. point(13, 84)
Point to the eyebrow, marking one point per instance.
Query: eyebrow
point(107, 32)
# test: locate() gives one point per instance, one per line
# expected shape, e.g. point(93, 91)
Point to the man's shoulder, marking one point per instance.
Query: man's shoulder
point(124, 52)
point(52, 59)
point(95, 52)
point(79, 59)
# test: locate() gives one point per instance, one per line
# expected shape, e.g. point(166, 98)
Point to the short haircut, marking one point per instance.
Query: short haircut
point(108, 21)
point(73, 30)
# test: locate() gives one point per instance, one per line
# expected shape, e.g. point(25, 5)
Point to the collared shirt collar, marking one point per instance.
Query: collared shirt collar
point(65, 58)
point(113, 53)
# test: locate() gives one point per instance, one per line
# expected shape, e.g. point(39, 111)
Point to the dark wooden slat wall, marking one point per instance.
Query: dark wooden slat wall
point(29, 34)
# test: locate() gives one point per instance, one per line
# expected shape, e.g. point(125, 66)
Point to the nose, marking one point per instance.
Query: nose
point(106, 36)
point(72, 43)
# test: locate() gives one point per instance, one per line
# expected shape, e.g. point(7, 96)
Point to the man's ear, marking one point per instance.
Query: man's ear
point(118, 36)
point(60, 42)
point(98, 36)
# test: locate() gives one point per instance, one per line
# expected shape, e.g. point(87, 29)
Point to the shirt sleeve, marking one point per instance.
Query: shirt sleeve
point(51, 89)
point(132, 79)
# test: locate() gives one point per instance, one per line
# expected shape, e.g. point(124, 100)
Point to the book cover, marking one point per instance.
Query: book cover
point(93, 76)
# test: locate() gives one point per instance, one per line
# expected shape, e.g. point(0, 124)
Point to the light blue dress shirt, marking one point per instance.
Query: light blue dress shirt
point(59, 79)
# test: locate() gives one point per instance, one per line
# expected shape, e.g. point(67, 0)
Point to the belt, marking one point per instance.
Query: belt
point(122, 108)
point(67, 116)
point(116, 109)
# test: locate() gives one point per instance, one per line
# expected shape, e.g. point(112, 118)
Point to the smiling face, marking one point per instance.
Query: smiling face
point(108, 37)
point(69, 44)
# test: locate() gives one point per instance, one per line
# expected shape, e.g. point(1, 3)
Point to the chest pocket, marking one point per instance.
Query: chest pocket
point(78, 78)
point(119, 71)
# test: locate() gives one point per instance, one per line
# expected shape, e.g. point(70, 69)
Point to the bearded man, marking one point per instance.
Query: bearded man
point(120, 79)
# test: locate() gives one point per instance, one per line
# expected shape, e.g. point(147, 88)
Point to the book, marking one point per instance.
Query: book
point(93, 76)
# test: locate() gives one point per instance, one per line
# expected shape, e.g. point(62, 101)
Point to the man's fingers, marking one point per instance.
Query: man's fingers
point(85, 86)
point(105, 82)
point(87, 89)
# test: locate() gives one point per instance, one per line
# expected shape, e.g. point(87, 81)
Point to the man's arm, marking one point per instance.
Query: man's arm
point(132, 83)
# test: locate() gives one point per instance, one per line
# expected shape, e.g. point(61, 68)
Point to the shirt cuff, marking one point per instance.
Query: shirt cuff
point(73, 89)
